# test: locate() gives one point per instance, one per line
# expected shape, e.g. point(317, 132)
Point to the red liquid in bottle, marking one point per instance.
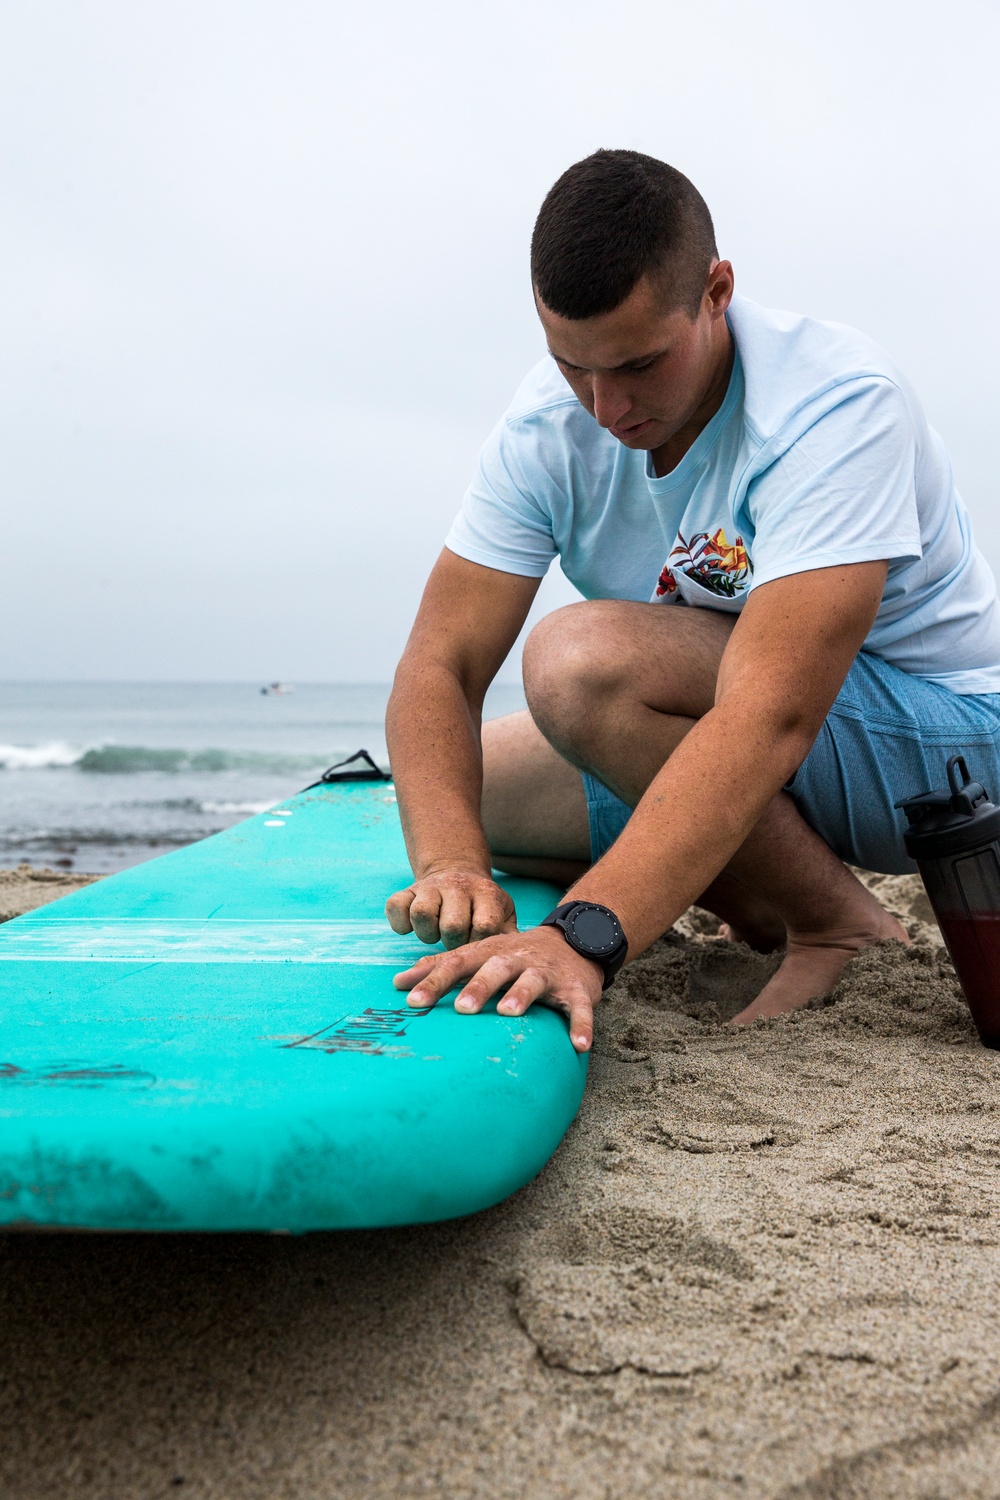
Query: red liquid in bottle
point(974, 945)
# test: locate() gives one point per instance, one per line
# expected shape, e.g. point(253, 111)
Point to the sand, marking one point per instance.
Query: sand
point(763, 1264)
point(26, 888)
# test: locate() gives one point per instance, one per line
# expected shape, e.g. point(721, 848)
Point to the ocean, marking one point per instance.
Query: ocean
point(99, 776)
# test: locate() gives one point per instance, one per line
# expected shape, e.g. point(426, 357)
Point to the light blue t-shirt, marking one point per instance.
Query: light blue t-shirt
point(820, 454)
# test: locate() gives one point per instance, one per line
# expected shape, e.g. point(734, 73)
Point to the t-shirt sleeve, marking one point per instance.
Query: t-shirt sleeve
point(506, 518)
point(843, 492)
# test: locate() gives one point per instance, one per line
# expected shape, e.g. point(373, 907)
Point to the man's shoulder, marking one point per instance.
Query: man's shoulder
point(543, 390)
point(546, 436)
point(532, 468)
point(796, 365)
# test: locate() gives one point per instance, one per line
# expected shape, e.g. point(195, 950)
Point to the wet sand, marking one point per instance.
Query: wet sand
point(763, 1264)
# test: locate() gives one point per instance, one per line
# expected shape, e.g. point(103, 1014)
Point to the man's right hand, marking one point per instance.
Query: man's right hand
point(452, 907)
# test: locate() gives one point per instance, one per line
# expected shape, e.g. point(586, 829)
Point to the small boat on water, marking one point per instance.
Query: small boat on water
point(277, 689)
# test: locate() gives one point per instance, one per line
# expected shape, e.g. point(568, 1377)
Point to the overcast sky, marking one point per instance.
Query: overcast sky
point(263, 279)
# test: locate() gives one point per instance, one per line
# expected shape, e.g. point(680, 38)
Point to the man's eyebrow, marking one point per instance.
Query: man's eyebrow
point(627, 364)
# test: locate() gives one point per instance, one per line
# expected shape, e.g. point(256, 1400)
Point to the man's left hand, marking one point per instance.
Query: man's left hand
point(537, 965)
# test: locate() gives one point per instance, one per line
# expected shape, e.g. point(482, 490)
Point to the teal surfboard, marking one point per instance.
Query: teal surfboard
point(212, 1041)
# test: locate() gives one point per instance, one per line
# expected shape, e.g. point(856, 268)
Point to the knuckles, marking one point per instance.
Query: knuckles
point(423, 906)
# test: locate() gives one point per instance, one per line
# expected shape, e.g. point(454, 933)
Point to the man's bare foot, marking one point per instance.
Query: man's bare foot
point(814, 963)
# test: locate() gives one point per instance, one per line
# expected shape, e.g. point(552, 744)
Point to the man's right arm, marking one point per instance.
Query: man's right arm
point(468, 620)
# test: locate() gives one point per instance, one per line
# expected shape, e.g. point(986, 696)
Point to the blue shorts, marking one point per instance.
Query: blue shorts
point(887, 736)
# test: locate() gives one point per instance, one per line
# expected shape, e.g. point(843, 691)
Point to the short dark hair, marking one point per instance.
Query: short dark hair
point(611, 219)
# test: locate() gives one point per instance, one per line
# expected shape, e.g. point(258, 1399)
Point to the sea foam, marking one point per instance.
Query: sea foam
point(39, 757)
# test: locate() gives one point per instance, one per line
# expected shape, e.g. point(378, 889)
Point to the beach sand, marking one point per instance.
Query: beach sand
point(26, 888)
point(763, 1264)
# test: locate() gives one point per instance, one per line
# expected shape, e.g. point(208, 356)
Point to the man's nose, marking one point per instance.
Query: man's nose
point(611, 402)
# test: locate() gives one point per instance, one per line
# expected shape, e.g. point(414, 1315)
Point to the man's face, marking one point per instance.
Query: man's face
point(642, 371)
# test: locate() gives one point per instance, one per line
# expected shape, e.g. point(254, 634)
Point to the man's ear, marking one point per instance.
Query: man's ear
point(720, 286)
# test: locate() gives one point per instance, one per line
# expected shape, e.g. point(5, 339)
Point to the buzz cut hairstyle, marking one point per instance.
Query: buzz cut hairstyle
point(610, 220)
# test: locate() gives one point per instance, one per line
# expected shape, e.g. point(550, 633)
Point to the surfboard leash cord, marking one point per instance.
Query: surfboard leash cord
point(347, 770)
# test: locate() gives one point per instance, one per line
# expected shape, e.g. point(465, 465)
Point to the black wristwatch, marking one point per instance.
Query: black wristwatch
point(594, 931)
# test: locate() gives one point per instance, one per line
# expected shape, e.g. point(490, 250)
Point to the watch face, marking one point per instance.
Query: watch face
point(594, 929)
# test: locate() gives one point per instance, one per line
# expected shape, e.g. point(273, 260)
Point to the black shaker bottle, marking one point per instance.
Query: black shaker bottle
point(954, 836)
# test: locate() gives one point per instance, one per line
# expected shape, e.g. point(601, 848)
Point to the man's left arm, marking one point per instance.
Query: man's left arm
point(785, 663)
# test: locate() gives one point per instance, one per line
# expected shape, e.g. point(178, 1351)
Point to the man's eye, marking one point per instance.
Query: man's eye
point(638, 369)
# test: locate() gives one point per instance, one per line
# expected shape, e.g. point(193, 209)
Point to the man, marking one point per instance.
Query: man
point(786, 627)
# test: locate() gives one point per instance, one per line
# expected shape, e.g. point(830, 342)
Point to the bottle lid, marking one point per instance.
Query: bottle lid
point(949, 822)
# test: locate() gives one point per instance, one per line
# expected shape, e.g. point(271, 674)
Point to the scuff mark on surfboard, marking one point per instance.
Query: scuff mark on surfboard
point(75, 1075)
point(371, 1032)
point(60, 1188)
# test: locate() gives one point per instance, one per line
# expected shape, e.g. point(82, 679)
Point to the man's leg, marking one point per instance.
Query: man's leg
point(534, 809)
point(614, 687)
point(536, 822)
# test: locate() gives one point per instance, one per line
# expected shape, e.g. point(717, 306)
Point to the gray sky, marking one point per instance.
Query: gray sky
point(263, 279)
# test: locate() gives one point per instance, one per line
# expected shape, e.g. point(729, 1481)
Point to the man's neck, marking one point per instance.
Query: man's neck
point(669, 454)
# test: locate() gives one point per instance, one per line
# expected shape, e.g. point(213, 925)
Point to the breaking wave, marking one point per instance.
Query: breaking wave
point(126, 760)
point(38, 757)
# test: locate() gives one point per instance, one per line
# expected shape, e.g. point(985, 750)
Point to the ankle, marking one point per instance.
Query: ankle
point(876, 927)
point(854, 912)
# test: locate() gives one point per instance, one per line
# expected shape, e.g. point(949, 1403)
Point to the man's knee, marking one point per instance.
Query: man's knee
point(594, 659)
point(569, 661)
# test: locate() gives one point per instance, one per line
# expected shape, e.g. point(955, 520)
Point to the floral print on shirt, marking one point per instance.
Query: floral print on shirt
point(719, 566)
